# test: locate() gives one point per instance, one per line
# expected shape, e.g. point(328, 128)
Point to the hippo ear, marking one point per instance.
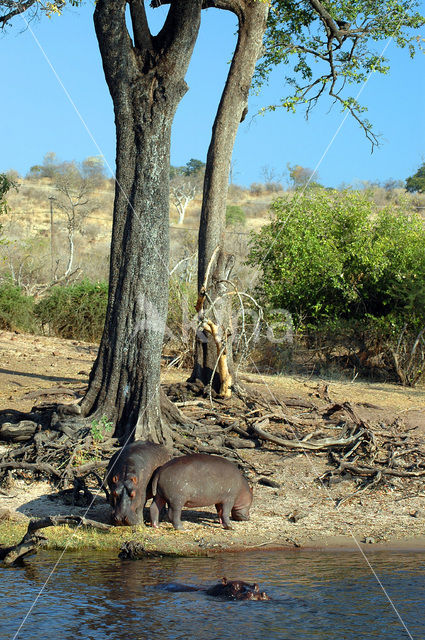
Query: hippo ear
point(224, 580)
point(115, 479)
point(133, 479)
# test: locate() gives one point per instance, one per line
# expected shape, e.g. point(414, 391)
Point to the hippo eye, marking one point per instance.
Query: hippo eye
point(115, 479)
point(133, 479)
point(132, 494)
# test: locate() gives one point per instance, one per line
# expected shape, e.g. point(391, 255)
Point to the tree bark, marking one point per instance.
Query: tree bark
point(252, 17)
point(146, 82)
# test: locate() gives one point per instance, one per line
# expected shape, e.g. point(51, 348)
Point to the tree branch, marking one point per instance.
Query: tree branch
point(330, 25)
point(14, 9)
point(141, 31)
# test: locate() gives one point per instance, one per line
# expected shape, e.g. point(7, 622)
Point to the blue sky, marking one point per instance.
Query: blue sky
point(37, 115)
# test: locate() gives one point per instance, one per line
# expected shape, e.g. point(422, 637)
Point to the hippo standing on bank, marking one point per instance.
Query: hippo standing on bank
point(200, 480)
point(129, 475)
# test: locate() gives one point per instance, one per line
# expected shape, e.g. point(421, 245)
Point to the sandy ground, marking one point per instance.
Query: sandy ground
point(301, 512)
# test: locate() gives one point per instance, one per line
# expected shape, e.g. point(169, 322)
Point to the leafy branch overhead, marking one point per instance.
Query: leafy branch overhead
point(341, 39)
point(9, 9)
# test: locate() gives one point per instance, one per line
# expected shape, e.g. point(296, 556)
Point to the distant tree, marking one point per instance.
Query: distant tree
point(271, 179)
point(176, 171)
point(194, 167)
point(185, 184)
point(48, 169)
point(416, 183)
point(6, 184)
point(183, 189)
point(74, 200)
point(93, 170)
point(300, 177)
point(390, 184)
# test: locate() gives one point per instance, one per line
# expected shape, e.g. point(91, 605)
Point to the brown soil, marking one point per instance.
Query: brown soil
point(300, 512)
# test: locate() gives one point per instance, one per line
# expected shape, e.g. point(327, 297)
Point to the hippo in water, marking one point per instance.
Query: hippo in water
point(129, 475)
point(225, 589)
point(200, 480)
point(232, 588)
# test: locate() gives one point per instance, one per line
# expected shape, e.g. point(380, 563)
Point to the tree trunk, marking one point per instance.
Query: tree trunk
point(146, 82)
point(70, 251)
point(252, 16)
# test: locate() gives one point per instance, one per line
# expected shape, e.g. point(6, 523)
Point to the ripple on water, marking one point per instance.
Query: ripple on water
point(322, 596)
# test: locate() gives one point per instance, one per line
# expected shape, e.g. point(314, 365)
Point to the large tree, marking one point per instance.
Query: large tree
point(213, 346)
point(145, 76)
point(338, 34)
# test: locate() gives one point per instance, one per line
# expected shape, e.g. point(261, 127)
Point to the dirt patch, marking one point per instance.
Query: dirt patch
point(300, 511)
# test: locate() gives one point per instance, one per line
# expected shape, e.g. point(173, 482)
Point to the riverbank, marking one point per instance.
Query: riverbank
point(299, 512)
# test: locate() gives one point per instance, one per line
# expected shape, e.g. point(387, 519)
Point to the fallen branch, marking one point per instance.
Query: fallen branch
point(324, 443)
point(369, 470)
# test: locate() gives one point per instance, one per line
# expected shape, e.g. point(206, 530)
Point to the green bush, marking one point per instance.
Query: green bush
point(328, 255)
point(235, 215)
point(75, 311)
point(16, 309)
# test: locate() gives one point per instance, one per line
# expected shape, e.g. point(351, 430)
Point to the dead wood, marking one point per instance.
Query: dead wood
point(322, 444)
point(20, 432)
point(369, 470)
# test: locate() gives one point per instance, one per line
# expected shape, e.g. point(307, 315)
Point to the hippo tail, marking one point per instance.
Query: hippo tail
point(155, 482)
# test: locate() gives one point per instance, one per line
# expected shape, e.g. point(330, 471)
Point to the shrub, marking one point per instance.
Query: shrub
point(16, 309)
point(75, 311)
point(350, 276)
point(329, 255)
point(256, 189)
point(235, 215)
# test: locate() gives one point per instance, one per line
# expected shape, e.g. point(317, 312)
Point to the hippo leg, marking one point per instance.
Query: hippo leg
point(225, 516)
point(139, 509)
point(174, 515)
point(219, 508)
point(158, 503)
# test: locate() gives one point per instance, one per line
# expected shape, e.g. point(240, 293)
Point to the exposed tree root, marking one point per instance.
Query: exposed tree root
point(64, 448)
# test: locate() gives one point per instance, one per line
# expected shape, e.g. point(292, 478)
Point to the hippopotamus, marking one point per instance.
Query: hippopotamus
point(200, 480)
point(129, 475)
point(232, 588)
point(226, 589)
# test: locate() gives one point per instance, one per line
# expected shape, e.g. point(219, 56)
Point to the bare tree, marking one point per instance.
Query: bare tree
point(74, 199)
point(183, 190)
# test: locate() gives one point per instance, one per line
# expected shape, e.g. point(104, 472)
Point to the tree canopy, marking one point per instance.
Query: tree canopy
point(416, 183)
point(332, 44)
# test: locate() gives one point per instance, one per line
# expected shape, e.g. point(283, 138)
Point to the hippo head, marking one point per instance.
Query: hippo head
point(242, 506)
point(125, 500)
point(253, 595)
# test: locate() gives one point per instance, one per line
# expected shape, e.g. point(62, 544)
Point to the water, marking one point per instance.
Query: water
point(317, 596)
